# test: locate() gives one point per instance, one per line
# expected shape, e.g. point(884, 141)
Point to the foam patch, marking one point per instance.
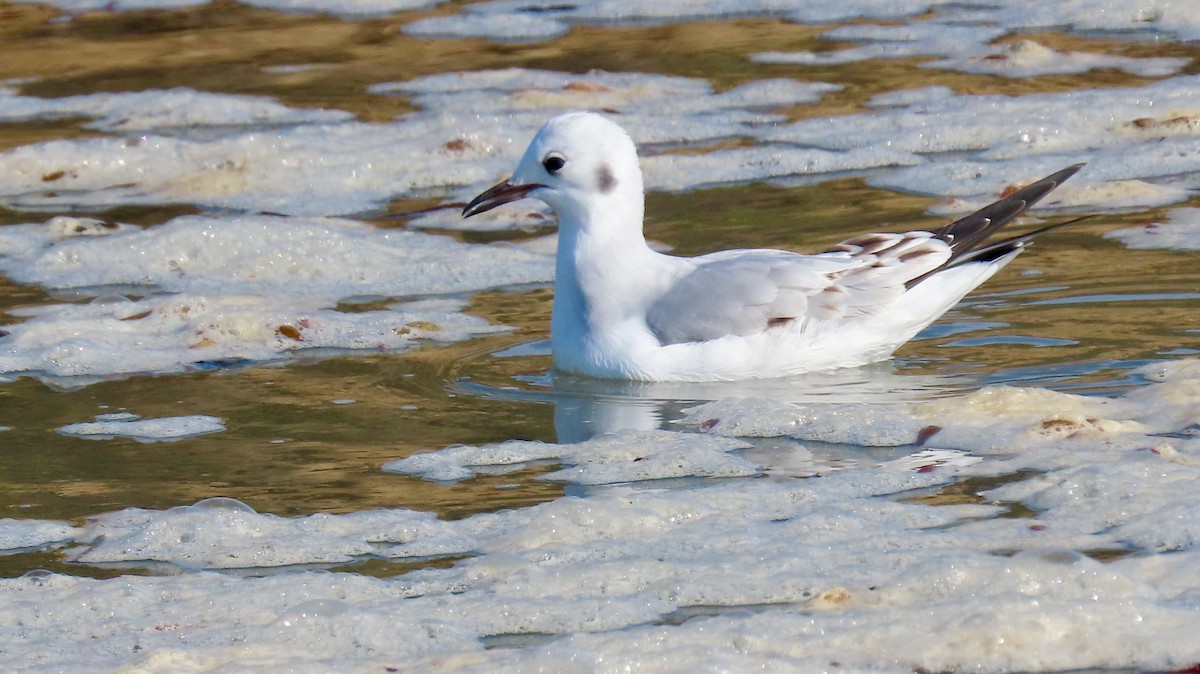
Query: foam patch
point(223, 533)
point(18, 535)
point(164, 429)
point(1181, 231)
point(174, 111)
point(324, 258)
point(623, 457)
point(697, 571)
point(1030, 59)
point(75, 344)
point(241, 289)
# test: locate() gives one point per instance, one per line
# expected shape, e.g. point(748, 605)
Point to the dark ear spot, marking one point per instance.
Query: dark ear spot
point(605, 179)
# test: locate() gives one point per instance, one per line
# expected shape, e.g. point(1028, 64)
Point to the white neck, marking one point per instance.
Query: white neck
point(603, 269)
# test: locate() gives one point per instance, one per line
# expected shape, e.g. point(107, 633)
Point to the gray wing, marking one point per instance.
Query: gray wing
point(744, 292)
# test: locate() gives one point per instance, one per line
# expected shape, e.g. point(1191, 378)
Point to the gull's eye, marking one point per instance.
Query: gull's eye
point(554, 162)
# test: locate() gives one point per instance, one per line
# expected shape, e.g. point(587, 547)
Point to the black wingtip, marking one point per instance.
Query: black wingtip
point(999, 249)
point(967, 232)
point(966, 236)
point(1034, 193)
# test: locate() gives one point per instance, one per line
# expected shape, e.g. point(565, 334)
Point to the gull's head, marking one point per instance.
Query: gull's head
point(579, 164)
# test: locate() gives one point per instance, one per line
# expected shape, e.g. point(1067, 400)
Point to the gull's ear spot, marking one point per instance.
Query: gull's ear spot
point(605, 180)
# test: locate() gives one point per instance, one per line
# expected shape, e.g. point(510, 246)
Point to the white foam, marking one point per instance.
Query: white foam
point(991, 421)
point(508, 16)
point(798, 574)
point(313, 169)
point(526, 215)
point(347, 8)
point(223, 533)
point(1140, 503)
point(1144, 19)
point(1115, 195)
point(843, 570)
point(251, 288)
point(832, 11)
point(501, 28)
point(175, 111)
point(511, 18)
point(326, 168)
point(521, 21)
point(19, 535)
point(183, 333)
point(655, 109)
point(1097, 619)
point(966, 48)
point(793, 568)
point(350, 8)
point(678, 172)
point(1181, 231)
point(1030, 59)
point(161, 429)
point(241, 158)
point(1126, 135)
point(929, 120)
point(641, 96)
point(607, 459)
point(322, 258)
point(924, 38)
point(80, 6)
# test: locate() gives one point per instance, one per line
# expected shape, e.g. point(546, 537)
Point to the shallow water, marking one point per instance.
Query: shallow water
point(290, 449)
point(309, 434)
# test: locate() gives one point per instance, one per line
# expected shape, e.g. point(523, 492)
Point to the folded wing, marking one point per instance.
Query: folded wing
point(744, 292)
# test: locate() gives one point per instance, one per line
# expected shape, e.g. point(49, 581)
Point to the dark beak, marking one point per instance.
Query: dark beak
point(497, 196)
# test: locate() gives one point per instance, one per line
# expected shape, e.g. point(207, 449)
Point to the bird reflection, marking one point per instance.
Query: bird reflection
point(585, 407)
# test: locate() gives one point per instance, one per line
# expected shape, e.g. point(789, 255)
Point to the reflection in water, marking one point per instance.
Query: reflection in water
point(585, 407)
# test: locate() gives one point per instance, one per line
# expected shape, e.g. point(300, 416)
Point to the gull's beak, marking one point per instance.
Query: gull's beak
point(497, 196)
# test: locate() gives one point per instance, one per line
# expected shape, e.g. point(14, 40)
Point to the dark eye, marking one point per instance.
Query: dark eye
point(554, 162)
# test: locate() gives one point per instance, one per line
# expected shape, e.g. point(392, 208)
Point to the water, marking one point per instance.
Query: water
point(291, 450)
point(1076, 313)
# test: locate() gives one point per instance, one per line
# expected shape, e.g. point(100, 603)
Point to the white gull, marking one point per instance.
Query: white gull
point(624, 311)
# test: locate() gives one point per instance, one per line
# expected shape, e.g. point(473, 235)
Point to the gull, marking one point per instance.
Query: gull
point(624, 311)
